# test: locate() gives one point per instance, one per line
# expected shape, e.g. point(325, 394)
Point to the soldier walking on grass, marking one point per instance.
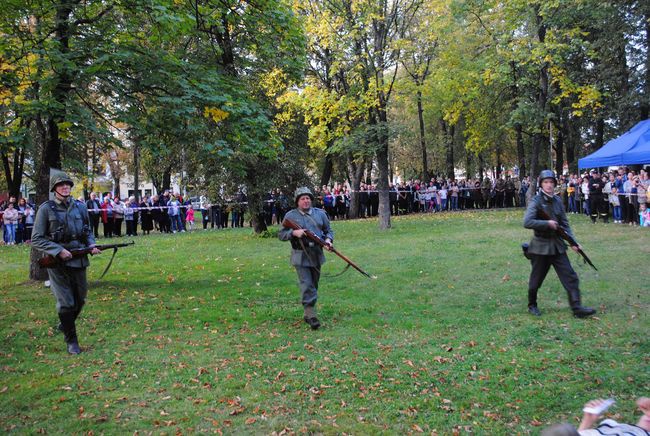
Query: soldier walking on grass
point(547, 248)
point(61, 225)
point(307, 256)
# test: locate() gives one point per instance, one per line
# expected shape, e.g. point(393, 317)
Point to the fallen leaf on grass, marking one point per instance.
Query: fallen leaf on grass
point(417, 428)
point(250, 421)
point(505, 278)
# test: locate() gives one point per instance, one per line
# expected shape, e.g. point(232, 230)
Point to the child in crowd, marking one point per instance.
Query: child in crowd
point(189, 218)
point(644, 215)
point(616, 206)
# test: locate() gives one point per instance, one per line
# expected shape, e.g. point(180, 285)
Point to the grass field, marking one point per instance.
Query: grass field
point(203, 332)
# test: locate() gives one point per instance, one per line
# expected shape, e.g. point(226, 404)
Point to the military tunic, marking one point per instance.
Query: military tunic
point(59, 226)
point(307, 256)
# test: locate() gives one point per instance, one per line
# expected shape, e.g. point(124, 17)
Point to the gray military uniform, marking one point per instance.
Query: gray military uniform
point(307, 256)
point(56, 228)
point(548, 249)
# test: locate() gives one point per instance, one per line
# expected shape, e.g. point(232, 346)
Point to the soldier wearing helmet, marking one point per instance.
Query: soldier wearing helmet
point(62, 225)
point(547, 249)
point(307, 256)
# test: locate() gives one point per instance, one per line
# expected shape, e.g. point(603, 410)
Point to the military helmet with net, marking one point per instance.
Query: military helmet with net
point(303, 190)
point(57, 177)
point(547, 174)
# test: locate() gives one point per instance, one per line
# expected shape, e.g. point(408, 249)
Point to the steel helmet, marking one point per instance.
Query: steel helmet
point(547, 174)
point(303, 190)
point(58, 176)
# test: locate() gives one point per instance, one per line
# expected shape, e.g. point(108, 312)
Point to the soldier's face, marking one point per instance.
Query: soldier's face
point(304, 202)
point(548, 186)
point(63, 189)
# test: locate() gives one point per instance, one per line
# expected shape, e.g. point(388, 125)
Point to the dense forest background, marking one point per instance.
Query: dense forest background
point(275, 93)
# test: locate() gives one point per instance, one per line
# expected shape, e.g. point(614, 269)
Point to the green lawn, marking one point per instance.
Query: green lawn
point(203, 332)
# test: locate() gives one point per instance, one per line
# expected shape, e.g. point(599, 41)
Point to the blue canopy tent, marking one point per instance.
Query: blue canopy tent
point(633, 147)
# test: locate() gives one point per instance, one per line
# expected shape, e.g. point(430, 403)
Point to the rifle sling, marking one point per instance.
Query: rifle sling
point(109, 263)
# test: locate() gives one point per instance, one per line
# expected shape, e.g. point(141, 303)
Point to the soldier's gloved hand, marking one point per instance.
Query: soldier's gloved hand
point(65, 254)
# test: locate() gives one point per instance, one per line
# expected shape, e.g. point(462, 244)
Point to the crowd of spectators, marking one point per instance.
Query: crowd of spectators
point(621, 195)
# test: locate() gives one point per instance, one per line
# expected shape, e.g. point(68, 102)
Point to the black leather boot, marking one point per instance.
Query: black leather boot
point(70, 332)
point(310, 318)
point(579, 311)
point(532, 303)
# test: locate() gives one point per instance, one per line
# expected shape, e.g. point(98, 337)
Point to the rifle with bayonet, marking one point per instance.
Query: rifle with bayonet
point(312, 236)
point(567, 237)
point(50, 261)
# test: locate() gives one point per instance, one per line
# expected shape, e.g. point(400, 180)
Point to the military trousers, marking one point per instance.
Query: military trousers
point(308, 278)
point(69, 286)
point(565, 272)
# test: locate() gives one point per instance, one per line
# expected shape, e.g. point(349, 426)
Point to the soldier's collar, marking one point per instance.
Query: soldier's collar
point(60, 202)
point(308, 212)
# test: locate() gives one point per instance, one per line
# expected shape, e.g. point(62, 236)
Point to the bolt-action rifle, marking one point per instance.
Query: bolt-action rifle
point(50, 261)
point(309, 234)
point(564, 235)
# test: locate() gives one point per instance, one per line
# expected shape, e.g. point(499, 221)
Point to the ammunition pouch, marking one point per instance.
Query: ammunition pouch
point(524, 248)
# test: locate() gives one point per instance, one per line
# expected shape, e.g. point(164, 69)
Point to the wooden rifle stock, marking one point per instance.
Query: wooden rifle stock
point(293, 225)
point(50, 261)
point(564, 235)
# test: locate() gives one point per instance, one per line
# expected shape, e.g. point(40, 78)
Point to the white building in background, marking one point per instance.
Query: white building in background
point(145, 187)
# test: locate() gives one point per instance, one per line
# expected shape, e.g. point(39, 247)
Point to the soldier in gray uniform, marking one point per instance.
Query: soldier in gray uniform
point(307, 256)
point(547, 248)
point(61, 225)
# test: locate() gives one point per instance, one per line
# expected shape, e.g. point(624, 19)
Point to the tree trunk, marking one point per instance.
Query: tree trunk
point(136, 169)
point(382, 165)
point(645, 103)
point(599, 140)
point(423, 144)
point(559, 152)
point(356, 174)
point(51, 157)
point(14, 180)
point(328, 165)
point(542, 97)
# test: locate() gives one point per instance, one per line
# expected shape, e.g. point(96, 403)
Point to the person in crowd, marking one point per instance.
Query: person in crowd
point(585, 190)
point(130, 217)
point(10, 220)
point(24, 211)
point(500, 192)
point(644, 215)
point(174, 214)
point(146, 215)
point(454, 195)
point(94, 213)
point(165, 221)
point(107, 216)
point(118, 215)
point(616, 205)
point(62, 225)
point(547, 248)
point(242, 202)
point(596, 195)
point(189, 218)
point(630, 188)
point(28, 219)
point(306, 256)
point(571, 199)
